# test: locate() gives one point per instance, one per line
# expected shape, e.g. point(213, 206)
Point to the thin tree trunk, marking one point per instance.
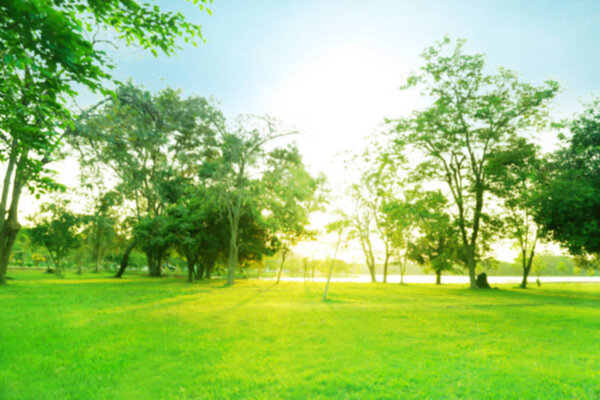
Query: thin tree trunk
point(305, 267)
point(385, 265)
point(283, 254)
point(233, 252)
point(438, 277)
point(200, 270)
point(527, 267)
point(337, 246)
point(125, 259)
point(402, 269)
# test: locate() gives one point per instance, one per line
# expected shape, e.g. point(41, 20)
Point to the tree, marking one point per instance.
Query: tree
point(199, 228)
point(438, 246)
point(291, 194)
point(101, 226)
point(237, 175)
point(56, 228)
point(379, 184)
point(399, 216)
point(153, 145)
point(471, 115)
point(570, 201)
point(516, 172)
point(47, 49)
point(339, 227)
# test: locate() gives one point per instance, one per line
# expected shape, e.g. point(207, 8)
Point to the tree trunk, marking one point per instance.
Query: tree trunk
point(305, 267)
point(58, 268)
point(471, 268)
point(402, 265)
point(233, 252)
point(9, 230)
point(209, 267)
point(385, 266)
point(523, 284)
point(200, 270)
point(283, 254)
point(372, 273)
point(190, 263)
point(154, 264)
point(527, 265)
point(438, 277)
point(125, 259)
point(337, 246)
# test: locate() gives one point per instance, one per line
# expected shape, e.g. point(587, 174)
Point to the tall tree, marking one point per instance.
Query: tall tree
point(400, 221)
point(517, 173)
point(152, 144)
point(47, 48)
point(380, 182)
point(472, 114)
point(100, 226)
point(570, 201)
point(238, 173)
point(200, 230)
point(291, 194)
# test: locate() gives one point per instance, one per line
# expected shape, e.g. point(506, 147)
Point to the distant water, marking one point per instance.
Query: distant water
point(455, 279)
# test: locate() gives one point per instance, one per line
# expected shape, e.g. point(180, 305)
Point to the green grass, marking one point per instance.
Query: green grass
point(140, 338)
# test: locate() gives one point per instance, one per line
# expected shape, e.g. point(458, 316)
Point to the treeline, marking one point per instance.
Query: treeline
point(440, 186)
point(170, 177)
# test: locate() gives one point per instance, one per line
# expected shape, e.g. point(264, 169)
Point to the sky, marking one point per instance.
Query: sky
point(332, 69)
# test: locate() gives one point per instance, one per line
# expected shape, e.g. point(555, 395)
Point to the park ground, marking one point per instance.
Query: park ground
point(94, 337)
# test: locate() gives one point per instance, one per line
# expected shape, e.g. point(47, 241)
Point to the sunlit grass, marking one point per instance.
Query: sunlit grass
point(165, 339)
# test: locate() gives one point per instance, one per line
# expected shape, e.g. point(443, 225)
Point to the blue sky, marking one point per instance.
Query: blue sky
point(252, 46)
point(331, 69)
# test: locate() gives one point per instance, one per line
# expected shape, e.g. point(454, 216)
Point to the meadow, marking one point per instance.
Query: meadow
point(94, 337)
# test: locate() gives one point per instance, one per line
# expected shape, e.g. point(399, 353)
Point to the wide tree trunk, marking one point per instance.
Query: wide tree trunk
point(438, 277)
point(191, 262)
point(7, 241)
point(154, 264)
point(125, 259)
point(9, 230)
point(58, 268)
point(471, 268)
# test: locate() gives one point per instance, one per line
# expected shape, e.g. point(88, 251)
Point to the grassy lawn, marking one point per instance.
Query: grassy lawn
point(140, 338)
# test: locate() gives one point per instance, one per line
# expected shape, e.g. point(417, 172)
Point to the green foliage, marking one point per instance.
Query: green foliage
point(437, 247)
point(570, 202)
point(516, 178)
point(471, 116)
point(49, 48)
point(151, 143)
point(57, 229)
point(249, 179)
